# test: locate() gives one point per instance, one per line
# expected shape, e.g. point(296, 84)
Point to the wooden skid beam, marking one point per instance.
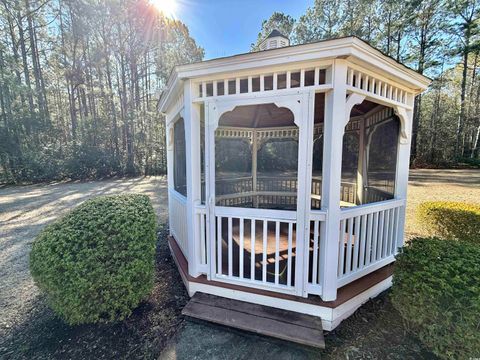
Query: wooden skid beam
point(264, 320)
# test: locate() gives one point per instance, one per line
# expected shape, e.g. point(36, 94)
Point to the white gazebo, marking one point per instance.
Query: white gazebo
point(287, 174)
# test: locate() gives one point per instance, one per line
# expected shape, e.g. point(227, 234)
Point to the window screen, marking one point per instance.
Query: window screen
point(179, 158)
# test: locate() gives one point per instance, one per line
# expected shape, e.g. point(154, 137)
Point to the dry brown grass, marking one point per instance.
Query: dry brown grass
point(434, 185)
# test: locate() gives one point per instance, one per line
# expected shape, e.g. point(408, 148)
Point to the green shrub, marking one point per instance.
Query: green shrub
point(451, 220)
point(97, 263)
point(436, 289)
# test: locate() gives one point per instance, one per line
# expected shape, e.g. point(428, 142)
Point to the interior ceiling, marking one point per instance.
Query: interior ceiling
point(269, 115)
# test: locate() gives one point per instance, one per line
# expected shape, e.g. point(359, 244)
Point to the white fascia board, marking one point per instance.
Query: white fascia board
point(267, 58)
point(170, 93)
point(372, 59)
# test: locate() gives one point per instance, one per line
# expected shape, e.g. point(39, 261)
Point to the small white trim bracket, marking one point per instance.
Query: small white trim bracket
point(352, 100)
point(403, 116)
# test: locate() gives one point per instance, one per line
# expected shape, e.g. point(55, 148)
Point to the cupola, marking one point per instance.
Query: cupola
point(275, 40)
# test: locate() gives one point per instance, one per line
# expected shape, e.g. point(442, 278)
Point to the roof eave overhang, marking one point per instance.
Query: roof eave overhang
point(354, 49)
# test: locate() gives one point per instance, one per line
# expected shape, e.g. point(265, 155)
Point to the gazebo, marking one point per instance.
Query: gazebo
point(287, 174)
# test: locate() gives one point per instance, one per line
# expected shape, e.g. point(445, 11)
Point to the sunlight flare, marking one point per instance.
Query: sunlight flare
point(167, 7)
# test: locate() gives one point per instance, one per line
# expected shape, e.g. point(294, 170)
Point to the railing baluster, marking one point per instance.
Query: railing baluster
point(264, 252)
point(356, 246)
point(202, 239)
point(375, 237)
point(349, 246)
point(380, 234)
point(315, 252)
point(241, 220)
point(390, 231)
point(395, 231)
point(252, 249)
point(289, 259)
point(230, 247)
point(277, 252)
point(341, 247)
point(363, 235)
point(219, 245)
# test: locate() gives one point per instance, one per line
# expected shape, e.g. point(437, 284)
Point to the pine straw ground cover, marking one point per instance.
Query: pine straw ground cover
point(375, 331)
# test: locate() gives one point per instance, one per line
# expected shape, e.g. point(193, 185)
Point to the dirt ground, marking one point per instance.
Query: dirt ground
point(28, 329)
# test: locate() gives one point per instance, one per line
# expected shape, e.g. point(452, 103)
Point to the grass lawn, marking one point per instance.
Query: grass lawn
point(30, 330)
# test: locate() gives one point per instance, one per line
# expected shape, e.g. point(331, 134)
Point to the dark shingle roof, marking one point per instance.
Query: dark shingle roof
point(274, 33)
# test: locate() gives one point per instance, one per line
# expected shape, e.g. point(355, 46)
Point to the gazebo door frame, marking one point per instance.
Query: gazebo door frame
point(301, 103)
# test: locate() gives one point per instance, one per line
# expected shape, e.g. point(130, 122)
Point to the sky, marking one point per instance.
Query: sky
point(225, 27)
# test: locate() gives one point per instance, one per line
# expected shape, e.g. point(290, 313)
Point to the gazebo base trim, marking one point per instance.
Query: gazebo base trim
point(349, 298)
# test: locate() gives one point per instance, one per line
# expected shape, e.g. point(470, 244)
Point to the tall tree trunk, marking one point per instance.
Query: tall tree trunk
point(461, 118)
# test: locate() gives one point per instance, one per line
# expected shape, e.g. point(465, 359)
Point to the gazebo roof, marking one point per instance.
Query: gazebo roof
point(351, 48)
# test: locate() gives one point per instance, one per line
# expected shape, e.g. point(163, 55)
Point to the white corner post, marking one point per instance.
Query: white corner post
point(170, 180)
point(334, 127)
point(192, 143)
point(403, 163)
point(337, 114)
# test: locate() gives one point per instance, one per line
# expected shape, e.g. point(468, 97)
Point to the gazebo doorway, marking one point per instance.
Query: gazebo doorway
point(255, 152)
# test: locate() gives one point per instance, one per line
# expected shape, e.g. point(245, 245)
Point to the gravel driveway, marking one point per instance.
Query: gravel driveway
point(25, 210)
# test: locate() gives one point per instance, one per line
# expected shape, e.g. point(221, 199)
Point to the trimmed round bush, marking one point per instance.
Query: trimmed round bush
point(436, 289)
point(97, 262)
point(450, 220)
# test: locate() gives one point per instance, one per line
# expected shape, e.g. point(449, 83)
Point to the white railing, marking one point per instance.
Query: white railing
point(314, 264)
point(201, 236)
point(368, 239)
point(256, 248)
point(178, 215)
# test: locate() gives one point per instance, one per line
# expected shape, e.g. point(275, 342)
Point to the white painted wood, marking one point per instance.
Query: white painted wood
point(230, 248)
point(368, 248)
point(403, 161)
point(375, 237)
point(332, 160)
point(178, 213)
point(277, 252)
point(264, 252)
point(192, 148)
point(241, 245)
point(365, 271)
point(289, 254)
point(252, 249)
point(219, 245)
point(363, 237)
point(250, 213)
point(373, 233)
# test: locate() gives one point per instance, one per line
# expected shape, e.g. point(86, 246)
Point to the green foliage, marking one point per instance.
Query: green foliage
point(97, 263)
point(436, 289)
point(78, 99)
point(453, 220)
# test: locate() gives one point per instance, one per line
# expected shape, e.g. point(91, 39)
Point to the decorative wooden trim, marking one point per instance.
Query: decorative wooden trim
point(352, 100)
